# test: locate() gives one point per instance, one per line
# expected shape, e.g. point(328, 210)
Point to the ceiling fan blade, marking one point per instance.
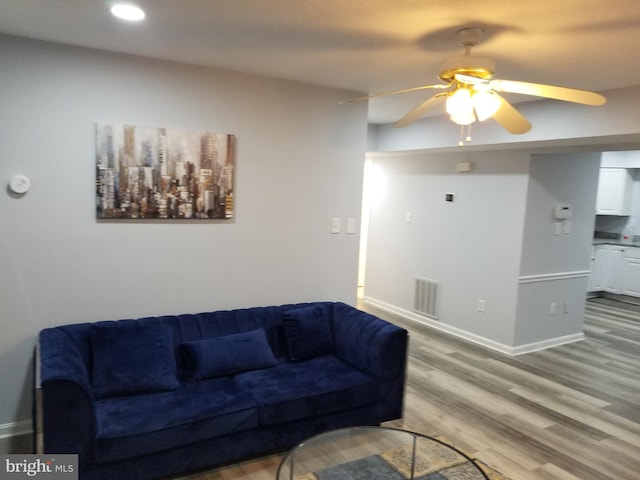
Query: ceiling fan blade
point(549, 91)
point(511, 119)
point(394, 92)
point(421, 109)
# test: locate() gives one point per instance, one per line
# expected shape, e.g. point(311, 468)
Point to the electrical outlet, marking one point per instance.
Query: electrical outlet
point(566, 306)
point(481, 305)
point(552, 308)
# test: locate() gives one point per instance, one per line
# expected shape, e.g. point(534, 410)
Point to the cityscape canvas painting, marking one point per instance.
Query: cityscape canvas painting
point(163, 173)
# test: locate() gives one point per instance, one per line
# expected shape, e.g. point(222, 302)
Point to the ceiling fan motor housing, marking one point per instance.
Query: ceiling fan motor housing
point(479, 67)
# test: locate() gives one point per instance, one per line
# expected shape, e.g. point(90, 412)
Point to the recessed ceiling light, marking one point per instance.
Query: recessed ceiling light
point(128, 11)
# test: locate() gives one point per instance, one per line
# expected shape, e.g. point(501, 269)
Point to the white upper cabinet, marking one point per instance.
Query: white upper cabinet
point(615, 186)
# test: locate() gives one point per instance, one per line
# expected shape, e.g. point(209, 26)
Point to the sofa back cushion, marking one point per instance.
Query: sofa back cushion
point(308, 331)
point(228, 354)
point(200, 326)
point(131, 358)
point(193, 327)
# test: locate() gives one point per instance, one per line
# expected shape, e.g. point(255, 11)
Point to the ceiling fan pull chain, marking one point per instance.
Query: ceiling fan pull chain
point(468, 139)
point(460, 141)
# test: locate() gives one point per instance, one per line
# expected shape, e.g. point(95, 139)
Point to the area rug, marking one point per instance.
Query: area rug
point(433, 462)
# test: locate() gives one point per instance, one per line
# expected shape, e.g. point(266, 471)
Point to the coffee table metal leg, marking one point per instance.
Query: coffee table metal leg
point(413, 457)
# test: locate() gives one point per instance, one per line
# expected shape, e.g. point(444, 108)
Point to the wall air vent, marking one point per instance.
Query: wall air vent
point(426, 297)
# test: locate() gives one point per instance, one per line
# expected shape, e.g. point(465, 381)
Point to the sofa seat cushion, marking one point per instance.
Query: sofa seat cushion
point(296, 390)
point(149, 423)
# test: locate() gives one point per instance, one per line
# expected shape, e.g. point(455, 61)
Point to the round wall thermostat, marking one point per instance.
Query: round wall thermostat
point(19, 184)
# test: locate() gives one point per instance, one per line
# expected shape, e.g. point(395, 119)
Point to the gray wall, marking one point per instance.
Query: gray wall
point(299, 163)
point(495, 242)
point(559, 179)
point(471, 245)
point(553, 269)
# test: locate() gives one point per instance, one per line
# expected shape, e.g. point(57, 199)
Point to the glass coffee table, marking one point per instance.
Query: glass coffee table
point(376, 453)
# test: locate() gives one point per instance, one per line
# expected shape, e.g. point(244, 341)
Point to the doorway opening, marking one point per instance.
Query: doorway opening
point(373, 186)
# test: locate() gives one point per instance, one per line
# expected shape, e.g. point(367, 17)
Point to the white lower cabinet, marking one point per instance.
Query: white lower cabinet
point(615, 269)
point(599, 260)
point(631, 271)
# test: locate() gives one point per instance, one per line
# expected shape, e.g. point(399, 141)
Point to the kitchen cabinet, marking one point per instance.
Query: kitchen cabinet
point(631, 271)
point(597, 275)
point(615, 186)
point(615, 269)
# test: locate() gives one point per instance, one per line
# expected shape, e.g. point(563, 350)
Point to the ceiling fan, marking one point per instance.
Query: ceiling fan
point(471, 93)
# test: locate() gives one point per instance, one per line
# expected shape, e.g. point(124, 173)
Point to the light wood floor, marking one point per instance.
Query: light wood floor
point(566, 413)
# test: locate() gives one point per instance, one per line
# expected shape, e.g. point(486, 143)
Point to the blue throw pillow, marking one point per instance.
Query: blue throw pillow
point(308, 332)
point(229, 354)
point(130, 358)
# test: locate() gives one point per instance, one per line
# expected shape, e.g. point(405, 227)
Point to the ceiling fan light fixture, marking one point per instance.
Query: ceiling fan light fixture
point(463, 121)
point(472, 94)
point(485, 103)
point(460, 107)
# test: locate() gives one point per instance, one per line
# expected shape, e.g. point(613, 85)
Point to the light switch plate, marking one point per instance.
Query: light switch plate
point(335, 225)
point(351, 226)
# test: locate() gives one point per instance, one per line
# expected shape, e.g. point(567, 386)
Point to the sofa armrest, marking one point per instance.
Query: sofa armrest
point(374, 346)
point(67, 409)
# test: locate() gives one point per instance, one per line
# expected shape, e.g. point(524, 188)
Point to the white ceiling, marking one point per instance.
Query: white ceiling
point(361, 45)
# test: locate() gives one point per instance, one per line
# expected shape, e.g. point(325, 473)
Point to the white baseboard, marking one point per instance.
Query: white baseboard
point(549, 343)
point(16, 437)
point(485, 342)
point(24, 427)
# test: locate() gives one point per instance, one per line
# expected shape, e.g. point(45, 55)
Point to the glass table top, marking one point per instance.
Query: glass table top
point(372, 453)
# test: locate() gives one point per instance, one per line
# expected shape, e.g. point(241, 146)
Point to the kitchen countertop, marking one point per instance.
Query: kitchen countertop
point(617, 242)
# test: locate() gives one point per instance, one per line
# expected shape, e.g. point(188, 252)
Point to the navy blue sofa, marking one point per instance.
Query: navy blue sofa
point(158, 396)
